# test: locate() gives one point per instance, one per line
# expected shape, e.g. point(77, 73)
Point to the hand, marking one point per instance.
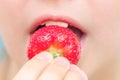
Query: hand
point(43, 67)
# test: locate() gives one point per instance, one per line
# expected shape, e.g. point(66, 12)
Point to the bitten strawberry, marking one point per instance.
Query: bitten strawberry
point(57, 40)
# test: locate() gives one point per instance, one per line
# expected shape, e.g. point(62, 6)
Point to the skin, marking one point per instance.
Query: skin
point(100, 55)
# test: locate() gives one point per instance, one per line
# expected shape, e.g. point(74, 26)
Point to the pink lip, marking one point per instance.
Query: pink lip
point(44, 18)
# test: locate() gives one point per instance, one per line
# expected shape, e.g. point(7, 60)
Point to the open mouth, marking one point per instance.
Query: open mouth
point(79, 33)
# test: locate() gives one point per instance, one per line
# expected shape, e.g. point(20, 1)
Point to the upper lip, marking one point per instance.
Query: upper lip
point(42, 19)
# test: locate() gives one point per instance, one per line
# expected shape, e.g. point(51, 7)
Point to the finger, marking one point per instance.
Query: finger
point(56, 70)
point(75, 74)
point(32, 69)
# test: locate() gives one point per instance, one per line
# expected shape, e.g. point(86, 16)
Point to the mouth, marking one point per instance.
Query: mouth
point(62, 21)
point(77, 31)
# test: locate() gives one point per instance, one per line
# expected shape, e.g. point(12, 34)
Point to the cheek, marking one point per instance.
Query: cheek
point(105, 10)
point(13, 28)
point(11, 10)
point(104, 35)
point(12, 5)
point(106, 21)
point(9, 13)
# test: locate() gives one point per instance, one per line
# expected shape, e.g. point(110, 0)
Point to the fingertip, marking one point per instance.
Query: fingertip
point(84, 76)
point(62, 61)
point(77, 69)
point(45, 56)
point(74, 68)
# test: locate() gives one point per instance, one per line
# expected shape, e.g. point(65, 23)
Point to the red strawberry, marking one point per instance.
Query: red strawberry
point(57, 40)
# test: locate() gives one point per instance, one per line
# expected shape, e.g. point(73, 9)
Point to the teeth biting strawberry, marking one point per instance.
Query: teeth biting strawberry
point(59, 41)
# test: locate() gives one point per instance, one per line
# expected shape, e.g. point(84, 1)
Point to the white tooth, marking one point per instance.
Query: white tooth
point(62, 24)
point(43, 24)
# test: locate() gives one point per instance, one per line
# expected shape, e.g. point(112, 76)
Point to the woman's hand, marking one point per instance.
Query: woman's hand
point(44, 67)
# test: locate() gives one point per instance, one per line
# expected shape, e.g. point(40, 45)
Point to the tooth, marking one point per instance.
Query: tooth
point(62, 24)
point(42, 24)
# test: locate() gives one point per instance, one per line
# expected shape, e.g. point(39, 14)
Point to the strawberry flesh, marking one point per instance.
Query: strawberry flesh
point(57, 40)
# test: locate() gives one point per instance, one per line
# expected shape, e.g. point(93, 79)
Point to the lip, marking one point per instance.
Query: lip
point(42, 19)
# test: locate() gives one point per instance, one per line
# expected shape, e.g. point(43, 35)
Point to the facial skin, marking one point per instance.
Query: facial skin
point(100, 19)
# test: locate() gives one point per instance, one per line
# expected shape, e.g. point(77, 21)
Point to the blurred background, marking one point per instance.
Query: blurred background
point(2, 49)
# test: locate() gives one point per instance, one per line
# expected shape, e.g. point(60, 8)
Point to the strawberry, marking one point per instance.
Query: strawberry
point(57, 40)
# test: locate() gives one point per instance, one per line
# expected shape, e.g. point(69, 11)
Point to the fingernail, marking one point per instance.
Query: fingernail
point(45, 56)
point(77, 69)
point(74, 68)
point(62, 61)
point(84, 76)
